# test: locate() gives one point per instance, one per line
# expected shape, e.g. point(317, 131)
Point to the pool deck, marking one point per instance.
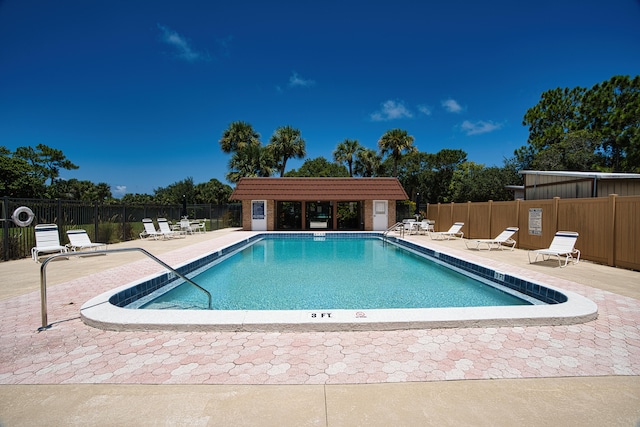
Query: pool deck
point(72, 374)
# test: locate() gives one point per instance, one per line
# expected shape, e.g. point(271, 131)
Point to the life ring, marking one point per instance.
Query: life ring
point(22, 210)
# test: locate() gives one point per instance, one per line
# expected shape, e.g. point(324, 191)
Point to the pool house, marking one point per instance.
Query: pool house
point(318, 204)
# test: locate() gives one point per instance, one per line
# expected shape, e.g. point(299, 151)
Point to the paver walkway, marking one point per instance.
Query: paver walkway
point(71, 352)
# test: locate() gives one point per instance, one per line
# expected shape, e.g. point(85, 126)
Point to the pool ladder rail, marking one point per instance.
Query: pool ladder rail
point(43, 276)
point(398, 226)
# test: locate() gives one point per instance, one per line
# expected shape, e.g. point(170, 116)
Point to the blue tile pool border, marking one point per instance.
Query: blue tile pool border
point(531, 289)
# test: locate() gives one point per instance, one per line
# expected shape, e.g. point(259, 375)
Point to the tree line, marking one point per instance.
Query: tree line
point(574, 129)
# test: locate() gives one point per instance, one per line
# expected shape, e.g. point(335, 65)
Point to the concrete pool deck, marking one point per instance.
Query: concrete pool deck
point(586, 374)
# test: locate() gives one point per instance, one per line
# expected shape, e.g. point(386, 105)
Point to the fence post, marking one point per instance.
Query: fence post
point(60, 220)
point(611, 223)
point(517, 221)
point(124, 222)
point(556, 203)
point(468, 218)
point(5, 227)
point(95, 220)
point(490, 218)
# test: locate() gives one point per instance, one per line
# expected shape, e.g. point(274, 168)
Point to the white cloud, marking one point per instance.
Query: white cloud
point(479, 127)
point(391, 110)
point(296, 81)
point(424, 109)
point(181, 46)
point(119, 190)
point(451, 105)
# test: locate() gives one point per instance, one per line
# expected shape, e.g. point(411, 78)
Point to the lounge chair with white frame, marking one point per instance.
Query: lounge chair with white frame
point(47, 241)
point(166, 230)
point(562, 246)
point(79, 240)
point(502, 239)
point(454, 231)
point(150, 230)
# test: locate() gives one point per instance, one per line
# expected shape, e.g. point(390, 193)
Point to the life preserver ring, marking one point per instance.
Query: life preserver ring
point(22, 210)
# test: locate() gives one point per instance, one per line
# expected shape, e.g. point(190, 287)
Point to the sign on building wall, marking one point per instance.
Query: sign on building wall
point(535, 221)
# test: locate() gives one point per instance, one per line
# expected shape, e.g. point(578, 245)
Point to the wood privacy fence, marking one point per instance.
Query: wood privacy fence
point(609, 227)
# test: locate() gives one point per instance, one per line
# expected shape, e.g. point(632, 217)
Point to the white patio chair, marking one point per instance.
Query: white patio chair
point(47, 241)
point(502, 239)
point(167, 231)
point(454, 231)
point(150, 230)
point(562, 245)
point(79, 240)
point(426, 226)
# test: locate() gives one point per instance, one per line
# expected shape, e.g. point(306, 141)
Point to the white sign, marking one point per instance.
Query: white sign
point(535, 221)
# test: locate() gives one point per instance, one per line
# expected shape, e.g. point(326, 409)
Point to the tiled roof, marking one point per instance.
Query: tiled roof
point(350, 189)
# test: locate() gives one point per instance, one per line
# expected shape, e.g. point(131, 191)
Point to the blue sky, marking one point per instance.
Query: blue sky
point(138, 93)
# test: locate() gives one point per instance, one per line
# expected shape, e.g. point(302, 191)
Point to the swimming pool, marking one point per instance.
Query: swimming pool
point(561, 307)
point(308, 273)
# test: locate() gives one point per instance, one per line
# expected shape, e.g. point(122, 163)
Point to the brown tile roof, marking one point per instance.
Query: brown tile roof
point(346, 189)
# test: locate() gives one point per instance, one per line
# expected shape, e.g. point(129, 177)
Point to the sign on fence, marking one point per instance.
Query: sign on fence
point(535, 221)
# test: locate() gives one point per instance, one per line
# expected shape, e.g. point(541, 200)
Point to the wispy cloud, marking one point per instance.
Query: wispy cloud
point(479, 127)
point(296, 81)
point(425, 109)
point(451, 105)
point(391, 110)
point(181, 46)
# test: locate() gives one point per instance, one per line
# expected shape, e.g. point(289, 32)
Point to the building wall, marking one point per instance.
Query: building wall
point(540, 187)
point(271, 214)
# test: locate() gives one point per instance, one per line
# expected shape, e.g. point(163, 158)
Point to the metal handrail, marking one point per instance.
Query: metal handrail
point(393, 227)
point(43, 276)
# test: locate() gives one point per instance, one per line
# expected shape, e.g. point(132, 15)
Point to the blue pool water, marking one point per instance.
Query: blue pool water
point(303, 274)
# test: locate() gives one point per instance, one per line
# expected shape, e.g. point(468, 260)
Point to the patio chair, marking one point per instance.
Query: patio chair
point(410, 226)
point(150, 230)
point(454, 231)
point(47, 241)
point(426, 226)
point(166, 230)
point(562, 245)
point(502, 239)
point(79, 240)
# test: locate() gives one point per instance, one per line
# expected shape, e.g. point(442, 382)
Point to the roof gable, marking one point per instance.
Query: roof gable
point(344, 189)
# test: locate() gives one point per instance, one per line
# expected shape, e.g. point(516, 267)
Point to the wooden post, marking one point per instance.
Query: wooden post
point(490, 219)
point(556, 202)
point(611, 228)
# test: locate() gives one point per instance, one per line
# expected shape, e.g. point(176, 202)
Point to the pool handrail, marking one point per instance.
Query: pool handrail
point(395, 226)
point(43, 277)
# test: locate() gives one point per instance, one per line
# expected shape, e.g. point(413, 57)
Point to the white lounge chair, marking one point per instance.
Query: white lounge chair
point(502, 239)
point(150, 230)
point(47, 241)
point(562, 245)
point(166, 230)
point(454, 231)
point(79, 240)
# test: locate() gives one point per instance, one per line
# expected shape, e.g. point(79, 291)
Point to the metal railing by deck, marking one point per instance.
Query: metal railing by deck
point(43, 277)
point(392, 228)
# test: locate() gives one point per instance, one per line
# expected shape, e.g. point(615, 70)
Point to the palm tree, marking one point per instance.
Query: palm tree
point(286, 143)
point(395, 142)
point(238, 136)
point(252, 161)
point(367, 162)
point(345, 151)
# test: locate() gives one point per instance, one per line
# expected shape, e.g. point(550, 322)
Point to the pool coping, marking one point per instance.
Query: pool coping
point(100, 313)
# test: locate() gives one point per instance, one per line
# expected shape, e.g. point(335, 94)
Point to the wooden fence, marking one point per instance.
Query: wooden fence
point(609, 227)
